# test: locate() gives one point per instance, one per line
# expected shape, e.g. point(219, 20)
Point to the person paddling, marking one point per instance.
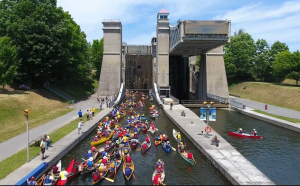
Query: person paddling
point(240, 131)
point(254, 133)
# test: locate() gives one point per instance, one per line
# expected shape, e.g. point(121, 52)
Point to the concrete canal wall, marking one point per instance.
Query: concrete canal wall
point(234, 166)
point(55, 153)
point(269, 119)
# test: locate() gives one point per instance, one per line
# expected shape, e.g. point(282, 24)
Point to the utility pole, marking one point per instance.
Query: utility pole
point(26, 115)
point(207, 111)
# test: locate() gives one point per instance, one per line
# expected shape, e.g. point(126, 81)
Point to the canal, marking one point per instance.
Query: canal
point(277, 155)
point(178, 171)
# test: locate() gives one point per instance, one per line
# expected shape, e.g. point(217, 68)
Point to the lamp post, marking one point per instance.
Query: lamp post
point(207, 110)
point(26, 115)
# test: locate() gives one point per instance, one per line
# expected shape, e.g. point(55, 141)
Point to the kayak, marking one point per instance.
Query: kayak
point(102, 139)
point(175, 136)
point(244, 135)
point(163, 144)
point(158, 141)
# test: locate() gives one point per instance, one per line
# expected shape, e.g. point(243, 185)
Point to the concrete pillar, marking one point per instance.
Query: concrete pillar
point(111, 70)
point(202, 88)
point(185, 77)
point(216, 73)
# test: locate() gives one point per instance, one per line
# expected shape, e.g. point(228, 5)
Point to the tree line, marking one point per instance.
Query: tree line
point(247, 60)
point(40, 42)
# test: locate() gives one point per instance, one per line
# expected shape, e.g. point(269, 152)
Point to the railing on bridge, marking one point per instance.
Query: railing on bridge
point(232, 102)
point(183, 102)
point(116, 100)
point(156, 94)
point(221, 99)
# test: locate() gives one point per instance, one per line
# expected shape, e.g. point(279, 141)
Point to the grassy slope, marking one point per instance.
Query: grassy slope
point(293, 120)
point(15, 161)
point(42, 105)
point(284, 95)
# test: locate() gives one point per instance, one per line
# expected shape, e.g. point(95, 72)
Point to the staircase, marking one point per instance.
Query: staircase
point(59, 93)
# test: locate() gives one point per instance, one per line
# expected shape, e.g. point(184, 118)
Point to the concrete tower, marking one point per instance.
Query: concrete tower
point(111, 70)
point(162, 50)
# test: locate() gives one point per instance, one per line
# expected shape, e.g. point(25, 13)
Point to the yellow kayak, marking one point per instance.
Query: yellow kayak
point(103, 139)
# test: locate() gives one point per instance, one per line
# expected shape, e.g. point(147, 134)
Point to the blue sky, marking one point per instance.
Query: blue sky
point(271, 20)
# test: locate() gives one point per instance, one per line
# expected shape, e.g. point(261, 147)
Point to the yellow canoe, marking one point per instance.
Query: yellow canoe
point(103, 139)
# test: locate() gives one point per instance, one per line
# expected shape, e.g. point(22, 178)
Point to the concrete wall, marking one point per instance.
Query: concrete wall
point(162, 59)
point(111, 71)
point(216, 73)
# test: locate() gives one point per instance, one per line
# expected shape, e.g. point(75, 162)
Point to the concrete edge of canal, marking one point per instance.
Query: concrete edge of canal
point(234, 166)
point(55, 153)
point(269, 119)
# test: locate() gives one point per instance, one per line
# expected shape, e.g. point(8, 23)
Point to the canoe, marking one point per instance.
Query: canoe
point(244, 135)
point(107, 149)
point(163, 144)
point(145, 129)
point(153, 116)
point(69, 170)
point(134, 145)
point(175, 136)
point(88, 170)
point(162, 175)
point(184, 155)
point(55, 175)
point(131, 165)
point(106, 172)
point(158, 142)
point(152, 131)
point(148, 147)
point(102, 139)
point(41, 180)
point(119, 162)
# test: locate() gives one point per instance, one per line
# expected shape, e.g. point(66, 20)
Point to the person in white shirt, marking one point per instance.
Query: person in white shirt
point(80, 124)
point(49, 179)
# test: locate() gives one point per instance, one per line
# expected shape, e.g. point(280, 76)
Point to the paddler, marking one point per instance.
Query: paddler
point(190, 155)
point(128, 159)
point(181, 147)
point(240, 131)
point(178, 136)
point(118, 144)
point(135, 136)
point(89, 154)
point(157, 180)
point(254, 133)
point(104, 160)
point(63, 174)
point(147, 139)
point(96, 138)
point(90, 162)
point(128, 170)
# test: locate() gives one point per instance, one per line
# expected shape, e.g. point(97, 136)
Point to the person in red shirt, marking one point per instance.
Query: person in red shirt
point(157, 180)
point(147, 139)
point(190, 155)
point(104, 160)
point(152, 125)
point(120, 135)
point(164, 137)
point(144, 146)
point(128, 159)
point(93, 149)
point(96, 138)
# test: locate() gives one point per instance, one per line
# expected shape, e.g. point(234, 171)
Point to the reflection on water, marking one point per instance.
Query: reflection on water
point(178, 171)
point(277, 155)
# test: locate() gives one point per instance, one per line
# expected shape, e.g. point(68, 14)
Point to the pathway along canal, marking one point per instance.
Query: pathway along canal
point(178, 171)
point(277, 155)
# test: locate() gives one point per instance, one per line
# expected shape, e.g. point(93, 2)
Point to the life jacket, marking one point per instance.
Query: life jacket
point(190, 155)
point(178, 136)
point(126, 151)
point(127, 171)
point(155, 180)
point(54, 169)
point(32, 182)
point(135, 136)
point(96, 176)
point(63, 175)
point(89, 164)
point(89, 155)
point(182, 147)
point(96, 139)
point(47, 180)
point(128, 159)
point(112, 165)
point(163, 138)
point(159, 164)
point(144, 146)
point(147, 139)
point(104, 161)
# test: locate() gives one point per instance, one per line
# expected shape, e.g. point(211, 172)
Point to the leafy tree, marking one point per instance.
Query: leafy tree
point(262, 68)
point(295, 67)
point(198, 62)
point(276, 48)
point(8, 64)
point(282, 65)
point(239, 57)
point(97, 55)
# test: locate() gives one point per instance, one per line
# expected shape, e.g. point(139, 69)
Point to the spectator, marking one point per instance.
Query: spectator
point(183, 113)
point(80, 124)
point(87, 115)
point(80, 114)
point(42, 145)
point(47, 140)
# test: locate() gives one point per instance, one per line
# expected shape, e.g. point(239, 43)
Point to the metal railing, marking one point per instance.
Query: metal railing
point(59, 92)
point(116, 100)
point(198, 101)
point(218, 98)
point(156, 94)
point(236, 104)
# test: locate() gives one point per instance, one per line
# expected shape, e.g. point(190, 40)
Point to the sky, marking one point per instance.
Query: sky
point(272, 20)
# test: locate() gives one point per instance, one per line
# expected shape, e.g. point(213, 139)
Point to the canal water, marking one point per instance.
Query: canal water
point(178, 171)
point(276, 155)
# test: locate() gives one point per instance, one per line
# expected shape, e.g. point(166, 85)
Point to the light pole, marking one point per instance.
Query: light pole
point(26, 115)
point(207, 111)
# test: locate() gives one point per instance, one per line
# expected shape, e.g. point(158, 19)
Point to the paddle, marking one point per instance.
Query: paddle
point(108, 179)
point(134, 177)
point(155, 129)
point(173, 148)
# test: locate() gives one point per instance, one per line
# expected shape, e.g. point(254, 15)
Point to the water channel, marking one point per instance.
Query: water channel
point(178, 171)
point(277, 155)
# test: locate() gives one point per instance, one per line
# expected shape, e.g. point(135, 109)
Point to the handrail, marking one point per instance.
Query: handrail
point(156, 94)
point(120, 95)
point(199, 101)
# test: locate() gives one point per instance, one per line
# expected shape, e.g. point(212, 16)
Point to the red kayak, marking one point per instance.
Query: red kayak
point(244, 135)
point(69, 170)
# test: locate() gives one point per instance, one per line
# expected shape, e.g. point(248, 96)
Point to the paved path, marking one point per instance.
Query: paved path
point(19, 142)
point(234, 166)
point(271, 108)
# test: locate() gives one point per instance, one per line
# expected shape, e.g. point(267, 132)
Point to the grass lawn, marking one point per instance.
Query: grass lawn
point(293, 120)
point(15, 161)
point(42, 106)
point(283, 95)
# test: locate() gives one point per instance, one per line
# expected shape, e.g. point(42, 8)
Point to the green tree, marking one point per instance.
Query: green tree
point(282, 65)
point(97, 55)
point(276, 48)
point(198, 62)
point(8, 63)
point(50, 44)
point(239, 57)
point(262, 68)
point(295, 67)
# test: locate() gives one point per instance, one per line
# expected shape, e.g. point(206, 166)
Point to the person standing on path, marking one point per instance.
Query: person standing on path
point(80, 114)
point(87, 115)
point(93, 111)
point(91, 114)
point(42, 145)
point(80, 124)
point(101, 104)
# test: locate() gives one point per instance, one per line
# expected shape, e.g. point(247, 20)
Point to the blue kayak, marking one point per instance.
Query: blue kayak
point(143, 118)
point(163, 144)
point(128, 126)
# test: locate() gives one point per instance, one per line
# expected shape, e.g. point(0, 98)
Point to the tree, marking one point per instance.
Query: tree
point(8, 63)
point(276, 48)
point(295, 67)
point(262, 68)
point(282, 65)
point(198, 62)
point(97, 55)
point(239, 57)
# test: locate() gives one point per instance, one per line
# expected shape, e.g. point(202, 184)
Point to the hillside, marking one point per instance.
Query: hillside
point(283, 95)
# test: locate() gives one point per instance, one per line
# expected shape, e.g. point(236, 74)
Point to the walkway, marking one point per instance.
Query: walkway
point(234, 166)
point(55, 153)
point(19, 140)
point(271, 108)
